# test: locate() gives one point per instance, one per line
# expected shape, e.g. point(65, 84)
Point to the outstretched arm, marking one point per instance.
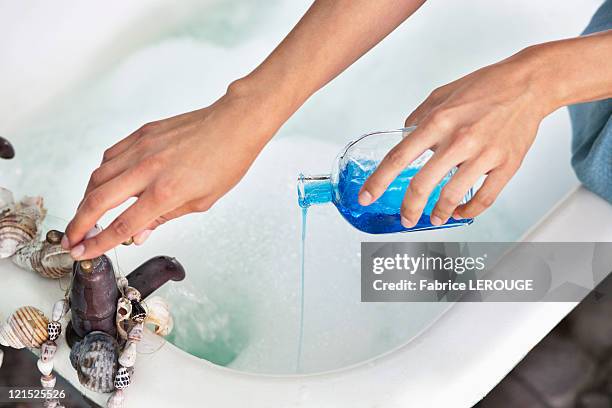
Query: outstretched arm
point(186, 163)
point(485, 123)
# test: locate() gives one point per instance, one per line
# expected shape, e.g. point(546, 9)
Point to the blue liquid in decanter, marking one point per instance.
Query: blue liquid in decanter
point(352, 168)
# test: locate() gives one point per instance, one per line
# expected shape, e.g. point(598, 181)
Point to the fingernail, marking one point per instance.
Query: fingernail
point(457, 216)
point(407, 223)
point(142, 236)
point(65, 243)
point(435, 220)
point(365, 198)
point(93, 232)
point(77, 251)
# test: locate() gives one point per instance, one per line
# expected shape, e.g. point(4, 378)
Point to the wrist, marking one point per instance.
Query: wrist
point(271, 96)
point(541, 73)
point(571, 71)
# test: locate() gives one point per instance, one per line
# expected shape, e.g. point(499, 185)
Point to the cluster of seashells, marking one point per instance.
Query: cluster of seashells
point(103, 363)
point(20, 230)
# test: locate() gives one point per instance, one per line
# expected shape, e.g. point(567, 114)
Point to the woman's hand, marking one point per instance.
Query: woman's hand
point(174, 167)
point(484, 123)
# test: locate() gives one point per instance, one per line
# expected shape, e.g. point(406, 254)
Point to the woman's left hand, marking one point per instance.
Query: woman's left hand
point(483, 123)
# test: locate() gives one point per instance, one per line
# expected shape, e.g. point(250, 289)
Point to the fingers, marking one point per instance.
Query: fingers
point(99, 201)
point(486, 195)
point(122, 145)
point(393, 164)
point(422, 111)
point(423, 183)
point(454, 191)
point(142, 236)
point(199, 205)
point(127, 142)
point(130, 222)
point(104, 173)
point(435, 98)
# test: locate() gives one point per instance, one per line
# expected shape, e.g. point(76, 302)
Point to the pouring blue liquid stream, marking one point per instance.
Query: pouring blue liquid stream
point(341, 188)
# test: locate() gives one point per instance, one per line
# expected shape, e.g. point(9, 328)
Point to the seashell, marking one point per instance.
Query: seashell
point(158, 315)
point(122, 379)
point(26, 327)
point(47, 350)
point(7, 151)
point(45, 367)
point(128, 355)
point(139, 313)
point(20, 226)
point(95, 360)
point(124, 311)
point(122, 284)
point(52, 403)
point(136, 332)
point(132, 294)
point(48, 381)
point(60, 308)
point(116, 399)
point(48, 259)
point(1, 357)
point(54, 329)
point(7, 202)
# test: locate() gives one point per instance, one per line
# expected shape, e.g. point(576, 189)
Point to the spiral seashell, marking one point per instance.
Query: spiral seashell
point(122, 379)
point(49, 260)
point(95, 360)
point(26, 327)
point(54, 329)
point(139, 313)
point(47, 351)
point(124, 311)
point(20, 226)
point(128, 355)
point(122, 284)
point(136, 332)
point(132, 294)
point(1, 357)
point(60, 308)
point(45, 367)
point(48, 381)
point(158, 315)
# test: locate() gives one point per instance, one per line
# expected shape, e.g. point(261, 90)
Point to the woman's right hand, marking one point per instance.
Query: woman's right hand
point(173, 167)
point(483, 123)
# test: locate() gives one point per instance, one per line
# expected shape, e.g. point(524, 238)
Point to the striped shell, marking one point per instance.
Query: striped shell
point(26, 327)
point(95, 360)
point(20, 226)
point(49, 260)
point(158, 315)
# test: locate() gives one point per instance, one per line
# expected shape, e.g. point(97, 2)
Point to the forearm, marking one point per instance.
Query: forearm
point(572, 71)
point(329, 38)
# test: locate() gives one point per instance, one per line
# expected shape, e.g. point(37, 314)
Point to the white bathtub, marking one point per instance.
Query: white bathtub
point(239, 305)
